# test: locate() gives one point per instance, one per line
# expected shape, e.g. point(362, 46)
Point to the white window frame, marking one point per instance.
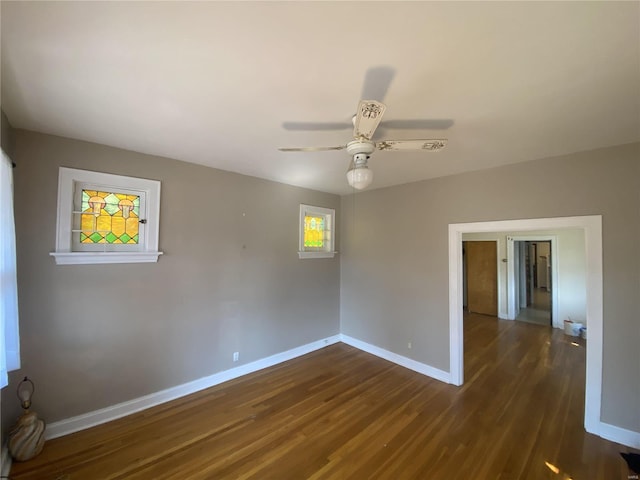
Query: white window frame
point(69, 252)
point(329, 214)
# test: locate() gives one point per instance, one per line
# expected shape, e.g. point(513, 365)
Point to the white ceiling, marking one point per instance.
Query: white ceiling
point(213, 82)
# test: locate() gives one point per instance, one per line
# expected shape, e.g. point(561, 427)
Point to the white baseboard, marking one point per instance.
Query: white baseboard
point(619, 435)
point(398, 359)
point(97, 417)
point(5, 463)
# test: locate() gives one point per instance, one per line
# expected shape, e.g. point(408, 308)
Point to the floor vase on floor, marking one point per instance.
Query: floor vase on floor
point(26, 438)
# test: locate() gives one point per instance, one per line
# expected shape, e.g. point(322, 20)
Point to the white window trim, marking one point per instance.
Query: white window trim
point(330, 225)
point(146, 251)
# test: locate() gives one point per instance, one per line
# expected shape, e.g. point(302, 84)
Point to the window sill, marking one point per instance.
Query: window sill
point(316, 254)
point(88, 258)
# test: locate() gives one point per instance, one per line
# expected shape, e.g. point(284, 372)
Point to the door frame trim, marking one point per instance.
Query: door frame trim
point(511, 274)
point(592, 227)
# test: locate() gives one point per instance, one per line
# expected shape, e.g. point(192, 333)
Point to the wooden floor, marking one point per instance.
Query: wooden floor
point(340, 413)
point(539, 312)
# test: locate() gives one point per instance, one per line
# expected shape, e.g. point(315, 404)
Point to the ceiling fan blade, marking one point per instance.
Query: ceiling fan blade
point(419, 124)
point(311, 149)
point(368, 118)
point(431, 145)
point(376, 82)
point(318, 126)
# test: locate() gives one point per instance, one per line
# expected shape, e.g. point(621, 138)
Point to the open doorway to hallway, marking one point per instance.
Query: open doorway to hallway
point(588, 229)
point(533, 275)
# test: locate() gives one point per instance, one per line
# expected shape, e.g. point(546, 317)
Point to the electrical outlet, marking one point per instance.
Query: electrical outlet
point(409, 345)
point(236, 356)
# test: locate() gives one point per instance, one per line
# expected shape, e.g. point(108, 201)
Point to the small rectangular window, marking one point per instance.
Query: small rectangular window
point(317, 232)
point(105, 218)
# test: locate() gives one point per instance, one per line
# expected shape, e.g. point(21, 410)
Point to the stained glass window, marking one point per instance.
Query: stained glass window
point(109, 217)
point(313, 231)
point(106, 218)
point(317, 232)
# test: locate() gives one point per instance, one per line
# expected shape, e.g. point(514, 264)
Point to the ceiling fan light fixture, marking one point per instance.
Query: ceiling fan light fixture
point(360, 177)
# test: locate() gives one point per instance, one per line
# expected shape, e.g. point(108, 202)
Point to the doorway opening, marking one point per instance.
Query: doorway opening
point(533, 281)
point(591, 226)
point(532, 271)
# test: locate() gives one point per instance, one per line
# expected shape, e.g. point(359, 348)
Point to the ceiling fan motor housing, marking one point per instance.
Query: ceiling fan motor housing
point(361, 149)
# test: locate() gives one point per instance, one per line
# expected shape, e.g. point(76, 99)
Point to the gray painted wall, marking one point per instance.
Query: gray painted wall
point(96, 335)
point(93, 336)
point(394, 271)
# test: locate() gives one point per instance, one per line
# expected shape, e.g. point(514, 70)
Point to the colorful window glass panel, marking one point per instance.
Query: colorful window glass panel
point(109, 217)
point(314, 231)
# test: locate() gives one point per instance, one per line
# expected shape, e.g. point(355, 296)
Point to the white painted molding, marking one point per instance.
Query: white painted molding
point(555, 291)
point(500, 249)
point(456, 313)
point(409, 363)
point(316, 254)
point(592, 227)
point(91, 258)
point(97, 417)
point(620, 435)
point(329, 215)
point(69, 250)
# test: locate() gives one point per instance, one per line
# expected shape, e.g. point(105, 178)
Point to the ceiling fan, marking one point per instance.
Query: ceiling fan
point(365, 123)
